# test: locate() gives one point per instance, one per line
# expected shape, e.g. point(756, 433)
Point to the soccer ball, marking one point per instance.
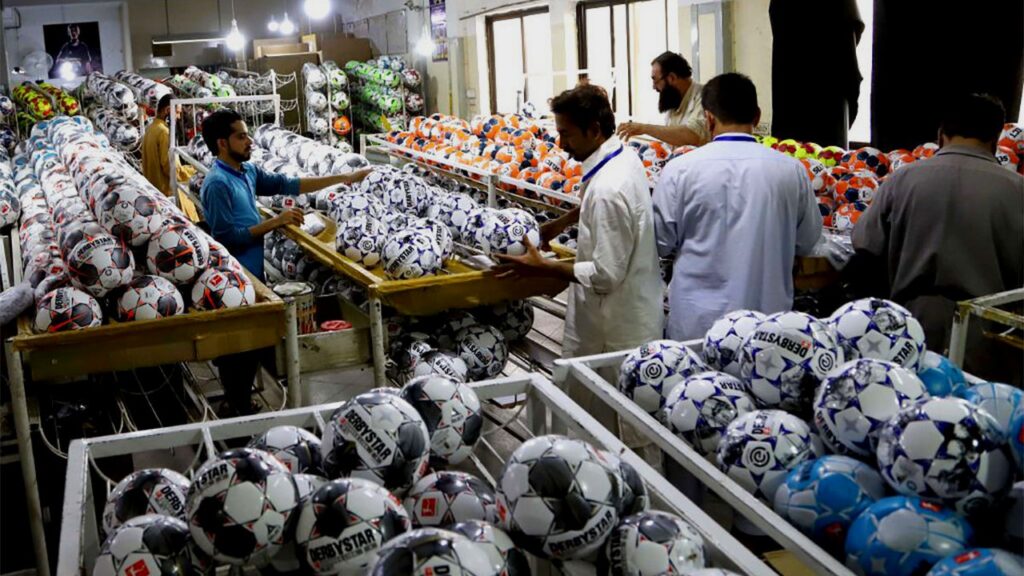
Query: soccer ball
point(147, 298)
point(431, 552)
point(219, 288)
point(653, 543)
point(377, 437)
point(979, 562)
point(877, 328)
point(441, 363)
point(240, 504)
point(339, 101)
point(857, 399)
point(455, 211)
point(441, 234)
point(361, 239)
point(411, 78)
point(785, 357)
point(101, 265)
point(760, 447)
point(286, 560)
point(149, 491)
point(823, 497)
point(946, 450)
point(649, 373)
point(867, 158)
point(150, 544)
point(344, 523)
point(414, 103)
point(297, 449)
point(632, 497)
point(855, 187)
point(557, 497)
point(177, 253)
point(483, 349)
point(700, 408)
point(449, 325)
point(346, 206)
point(411, 254)
point(67, 308)
point(445, 498)
point(722, 341)
point(1016, 435)
point(452, 413)
point(1001, 401)
point(903, 536)
point(514, 318)
point(406, 352)
point(10, 208)
point(941, 377)
point(512, 228)
point(506, 559)
point(128, 213)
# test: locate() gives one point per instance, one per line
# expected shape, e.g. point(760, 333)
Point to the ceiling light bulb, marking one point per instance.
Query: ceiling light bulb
point(317, 9)
point(286, 27)
point(234, 39)
point(272, 25)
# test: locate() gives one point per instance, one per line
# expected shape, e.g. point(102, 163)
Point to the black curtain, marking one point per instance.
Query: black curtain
point(926, 51)
point(815, 78)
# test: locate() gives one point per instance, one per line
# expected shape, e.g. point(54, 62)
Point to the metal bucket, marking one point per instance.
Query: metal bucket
point(305, 303)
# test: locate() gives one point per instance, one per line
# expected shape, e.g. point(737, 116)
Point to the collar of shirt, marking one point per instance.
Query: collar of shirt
point(224, 166)
point(966, 151)
point(684, 104)
point(734, 137)
point(610, 145)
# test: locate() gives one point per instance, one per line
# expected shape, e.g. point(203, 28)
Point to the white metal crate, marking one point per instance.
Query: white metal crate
point(547, 410)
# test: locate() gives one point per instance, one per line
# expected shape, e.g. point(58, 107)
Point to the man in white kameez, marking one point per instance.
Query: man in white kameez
point(615, 300)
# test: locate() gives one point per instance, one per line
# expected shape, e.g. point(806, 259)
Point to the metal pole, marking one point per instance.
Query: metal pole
point(28, 461)
point(492, 201)
point(377, 344)
point(297, 394)
point(958, 334)
point(172, 152)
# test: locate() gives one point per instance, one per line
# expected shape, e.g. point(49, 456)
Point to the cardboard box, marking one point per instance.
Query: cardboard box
point(282, 49)
point(286, 64)
point(341, 48)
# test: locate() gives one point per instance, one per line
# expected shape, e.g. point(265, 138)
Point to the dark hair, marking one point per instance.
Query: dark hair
point(73, 27)
point(586, 105)
point(978, 116)
point(164, 102)
point(217, 126)
point(672, 63)
point(731, 97)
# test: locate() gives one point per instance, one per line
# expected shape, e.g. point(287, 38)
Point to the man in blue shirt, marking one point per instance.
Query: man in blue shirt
point(229, 202)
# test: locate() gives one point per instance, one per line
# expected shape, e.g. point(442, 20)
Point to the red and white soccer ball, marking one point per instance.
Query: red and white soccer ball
point(216, 289)
point(178, 253)
point(148, 298)
point(67, 308)
point(101, 265)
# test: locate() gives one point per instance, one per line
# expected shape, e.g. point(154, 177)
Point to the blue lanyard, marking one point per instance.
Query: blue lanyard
point(744, 138)
point(600, 165)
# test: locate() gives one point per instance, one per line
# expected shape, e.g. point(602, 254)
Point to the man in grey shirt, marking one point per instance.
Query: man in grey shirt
point(951, 228)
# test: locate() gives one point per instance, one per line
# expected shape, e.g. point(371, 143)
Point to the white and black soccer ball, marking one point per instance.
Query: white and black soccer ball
point(411, 254)
point(431, 552)
point(147, 298)
point(178, 253)
point(405, 353)
point(345, 523)
point(557, 498)
point(786, 357)
point(286, 559)
point(447, 497)
point(512, 228)
point(10, 208)
point(222, 288)
point(313, 76)
point(946, 450)
point(149, 491)
point(453, 415)
point(317, 125)
point(67, 308)
point(514, 318)
point(315, 101)
point(240, 505)
point(483, 349)
point(441, 363)
point(296, 448)
point(723, 340)
point(701, 407)
point(150, 544)
point(449, 325)
point(760, 447)
point(857, 399)
point(634, 497)
point(648, 374)
point(505, 557)
point(882, 329)
point(101, 265)
point(128, 213)
point(377, 437)
point(361, 239)
point(339, 101)
point(652, 543)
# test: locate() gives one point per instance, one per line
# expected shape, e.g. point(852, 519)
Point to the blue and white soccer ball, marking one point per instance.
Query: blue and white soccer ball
point(946, 450)
point(513, 227)
point(455, 210)
point(980, 562)
point(759, 448)
point(1001, 401)
point(785, 358)
point(881, 329)
point(822, 497)
point(1016, 438)
point(699, 409)
point(723, 340)
point(346, 206)
point(361, 238)
point(941, 376)
point(439, 231)
point(411, 254)
point(652, 543)
point(904, 536)
point(857, 399)
point(649, 373)
point(513, 317)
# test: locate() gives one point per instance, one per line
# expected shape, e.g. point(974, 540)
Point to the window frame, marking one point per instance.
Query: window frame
point(492, 72)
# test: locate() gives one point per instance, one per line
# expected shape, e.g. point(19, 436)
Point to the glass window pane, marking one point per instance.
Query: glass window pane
point(599, 46)
point(621, 60)
point(508, 64)
point(861, 129)
point(647, 38)
point(537, 39)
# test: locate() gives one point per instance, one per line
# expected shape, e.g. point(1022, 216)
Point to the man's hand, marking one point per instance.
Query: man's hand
point(293, 216)
point(357, 176)
point(533, 263)
point(549, 231)
point(627, 130)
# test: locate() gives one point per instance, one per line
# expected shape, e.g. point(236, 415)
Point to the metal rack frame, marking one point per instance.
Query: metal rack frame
point(79, 540)
point(986, 308)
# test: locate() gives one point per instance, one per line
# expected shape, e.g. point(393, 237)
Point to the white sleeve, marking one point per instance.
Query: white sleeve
point(614, 232)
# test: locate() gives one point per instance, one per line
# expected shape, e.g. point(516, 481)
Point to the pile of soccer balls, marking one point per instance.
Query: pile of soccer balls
point(67, 105)
point(121, 133)
point(147, 92)
point(211, 82)
point(8, 114)
point(882, 453)
point(112, 94)
point(10, 203)
point(93, 229)
point(35, 102)
point(185, 87)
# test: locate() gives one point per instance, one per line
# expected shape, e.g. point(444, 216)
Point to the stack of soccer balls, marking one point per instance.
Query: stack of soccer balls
point(112, 94)
point(185, 87)
point(882, 453)
point(119, 131)
point(10, 203)
point(147, 92)
point(37, 104)
point(209, 81)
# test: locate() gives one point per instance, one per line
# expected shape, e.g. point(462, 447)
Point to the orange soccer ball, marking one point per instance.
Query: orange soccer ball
point(867, 158)
point(1013, 138)
point(1008, 158)
point(342, 126)
point(926, 150)
point(822, 181)
point(856, 187)
point(846, 215)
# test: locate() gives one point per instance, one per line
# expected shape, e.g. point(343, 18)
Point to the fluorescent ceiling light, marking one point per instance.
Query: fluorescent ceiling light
point(317, 9)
